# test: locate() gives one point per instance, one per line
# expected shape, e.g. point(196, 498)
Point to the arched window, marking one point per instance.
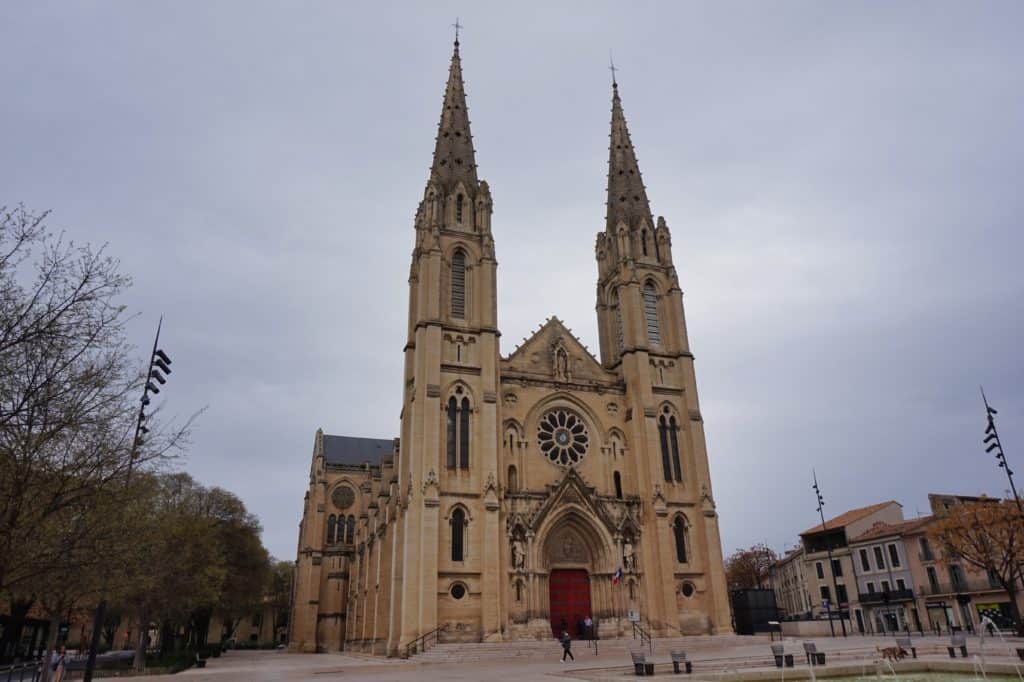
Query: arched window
point(618, 485)
point(331, 523)
point(643, 241)
point(452, 413)
point(350, 530)
point(673, 436)
point(458, 208)
point(679, 531)
point(618, 317)
point(651, 314)
point(459, 285)
point(663, 438)
point(464, 434)
point(458, 533)
point(513, 479)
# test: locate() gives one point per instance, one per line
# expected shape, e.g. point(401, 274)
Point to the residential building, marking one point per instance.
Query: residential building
point(885, 580)
point(786, 579)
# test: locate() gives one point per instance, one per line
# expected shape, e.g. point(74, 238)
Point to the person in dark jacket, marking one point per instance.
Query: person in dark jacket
point(566, 645)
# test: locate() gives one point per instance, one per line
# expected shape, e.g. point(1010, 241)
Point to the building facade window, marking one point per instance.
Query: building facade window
point(513, 479)
point(459, 284)
point(459, 203)
point(957, 577)
point(332, 523)
point(864, 563)
point(350, 529)
point(879, 559)
point(674, 438)
point(668, 436)
point(894, 556)
point(825, 593)
point(819, 570)
point(901, 584)
point(617, 480)
point(837, 568)
point(458, 523)
point(933, 578)
point(464, 434)
point(651, 314)
point(452, 417)
point(885, 586)
point(841, 595)
point(871, 587)
point(926, 550)
point(679, 532)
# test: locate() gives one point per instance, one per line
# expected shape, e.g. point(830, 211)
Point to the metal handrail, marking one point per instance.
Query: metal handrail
point(30, 671)
point(643, 633)
point(413, 647)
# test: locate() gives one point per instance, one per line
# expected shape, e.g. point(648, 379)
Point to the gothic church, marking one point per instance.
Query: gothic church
point(524, 492)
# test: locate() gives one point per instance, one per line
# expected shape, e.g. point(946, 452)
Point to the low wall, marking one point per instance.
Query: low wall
point(811, 628)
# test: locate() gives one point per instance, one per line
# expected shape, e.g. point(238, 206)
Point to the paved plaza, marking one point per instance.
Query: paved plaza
point(719, 658)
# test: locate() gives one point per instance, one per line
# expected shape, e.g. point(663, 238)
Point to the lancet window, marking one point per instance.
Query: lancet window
point(679, 533)
point(651, 314)
point(458, 522)
point(459, 284)
point(457, 418)
point(668, 436)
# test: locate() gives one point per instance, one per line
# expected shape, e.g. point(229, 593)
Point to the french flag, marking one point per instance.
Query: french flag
point(618, 576)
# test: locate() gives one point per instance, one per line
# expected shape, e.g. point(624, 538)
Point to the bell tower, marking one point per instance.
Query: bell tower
point(642, 332)
point(450, 414)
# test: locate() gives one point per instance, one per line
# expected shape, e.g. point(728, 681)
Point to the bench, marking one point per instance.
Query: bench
point(781, 657)
point(641, 666)
point(679, 658)
point(957, 641)
point(814, 657)
point(905, 644)
point(200, 661)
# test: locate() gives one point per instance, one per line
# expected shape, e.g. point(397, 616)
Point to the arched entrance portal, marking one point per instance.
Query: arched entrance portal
point(569, 599)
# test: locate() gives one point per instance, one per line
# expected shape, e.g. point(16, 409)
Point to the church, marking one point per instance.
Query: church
point(530, 491)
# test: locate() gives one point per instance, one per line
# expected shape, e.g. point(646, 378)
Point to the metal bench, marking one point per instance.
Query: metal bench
point(957, 640)
point(679, 658)
point(905, 644)
point(781, 657)
point(814, 657)
point(640, 665)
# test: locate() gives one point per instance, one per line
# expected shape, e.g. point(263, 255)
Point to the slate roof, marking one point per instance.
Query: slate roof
point(882, 530)
point(849, 517)
point(352, 450)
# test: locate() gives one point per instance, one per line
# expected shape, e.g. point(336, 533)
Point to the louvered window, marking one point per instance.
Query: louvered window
point(459, 285)
point(450, 428)
point(651, 314)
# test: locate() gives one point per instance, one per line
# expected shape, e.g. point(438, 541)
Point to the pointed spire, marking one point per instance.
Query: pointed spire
point(454, 159)
point(627, 198)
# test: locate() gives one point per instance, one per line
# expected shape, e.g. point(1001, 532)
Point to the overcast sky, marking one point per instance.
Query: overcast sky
point(843, 182)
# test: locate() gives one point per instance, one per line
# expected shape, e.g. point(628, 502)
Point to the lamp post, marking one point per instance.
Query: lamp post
point(993, 442)
point(831, 565)
point(158, 369)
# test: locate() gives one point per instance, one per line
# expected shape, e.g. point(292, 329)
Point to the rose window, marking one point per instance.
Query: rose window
point(563, 437)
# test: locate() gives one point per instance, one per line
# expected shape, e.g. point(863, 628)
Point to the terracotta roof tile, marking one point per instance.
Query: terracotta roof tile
point(849, 517)
point(881, 530)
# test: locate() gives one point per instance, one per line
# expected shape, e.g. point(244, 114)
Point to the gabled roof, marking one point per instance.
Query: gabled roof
point(883, 530)
point(846, 518)
point(355, 451)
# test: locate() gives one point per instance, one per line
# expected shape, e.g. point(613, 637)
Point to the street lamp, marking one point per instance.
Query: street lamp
point(159, 368)
point(993, 443)
point(831, 565)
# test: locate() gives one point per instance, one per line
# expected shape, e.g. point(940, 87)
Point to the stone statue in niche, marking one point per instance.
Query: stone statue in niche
point(561, 366)
point(518, 553)
point(628, 555)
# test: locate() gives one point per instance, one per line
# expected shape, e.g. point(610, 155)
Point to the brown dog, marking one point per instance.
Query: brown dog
point(892, 653)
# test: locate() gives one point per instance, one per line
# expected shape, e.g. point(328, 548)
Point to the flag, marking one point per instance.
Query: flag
point(618, 576)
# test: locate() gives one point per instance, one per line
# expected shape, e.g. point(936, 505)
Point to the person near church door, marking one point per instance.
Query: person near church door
point(566, 645)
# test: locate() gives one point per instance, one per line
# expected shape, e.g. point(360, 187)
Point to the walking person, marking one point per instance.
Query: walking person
point(588, 624)
point(59, 665)
point(566, 645)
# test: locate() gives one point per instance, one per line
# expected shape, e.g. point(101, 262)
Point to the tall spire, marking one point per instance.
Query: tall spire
point(627, 198)
point(454, 159)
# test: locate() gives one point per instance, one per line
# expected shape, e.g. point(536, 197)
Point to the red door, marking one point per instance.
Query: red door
point(569, 599)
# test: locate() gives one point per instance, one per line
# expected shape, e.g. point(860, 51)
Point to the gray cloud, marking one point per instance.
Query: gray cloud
point(842, 182)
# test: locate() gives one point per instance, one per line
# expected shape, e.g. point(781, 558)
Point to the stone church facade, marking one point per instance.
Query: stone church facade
point(524, 492)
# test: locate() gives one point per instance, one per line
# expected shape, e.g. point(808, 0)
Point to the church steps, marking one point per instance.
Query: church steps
point(515, 649)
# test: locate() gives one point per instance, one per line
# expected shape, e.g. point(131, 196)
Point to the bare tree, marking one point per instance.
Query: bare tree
point(748, 568)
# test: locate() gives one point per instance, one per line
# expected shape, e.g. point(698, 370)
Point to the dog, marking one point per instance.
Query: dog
point(892, 653)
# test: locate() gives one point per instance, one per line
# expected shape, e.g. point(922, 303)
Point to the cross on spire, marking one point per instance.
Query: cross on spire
point(457, 26)
point(612, 68)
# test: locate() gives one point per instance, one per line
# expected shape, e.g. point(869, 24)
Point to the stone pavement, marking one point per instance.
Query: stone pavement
point(528, 661)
